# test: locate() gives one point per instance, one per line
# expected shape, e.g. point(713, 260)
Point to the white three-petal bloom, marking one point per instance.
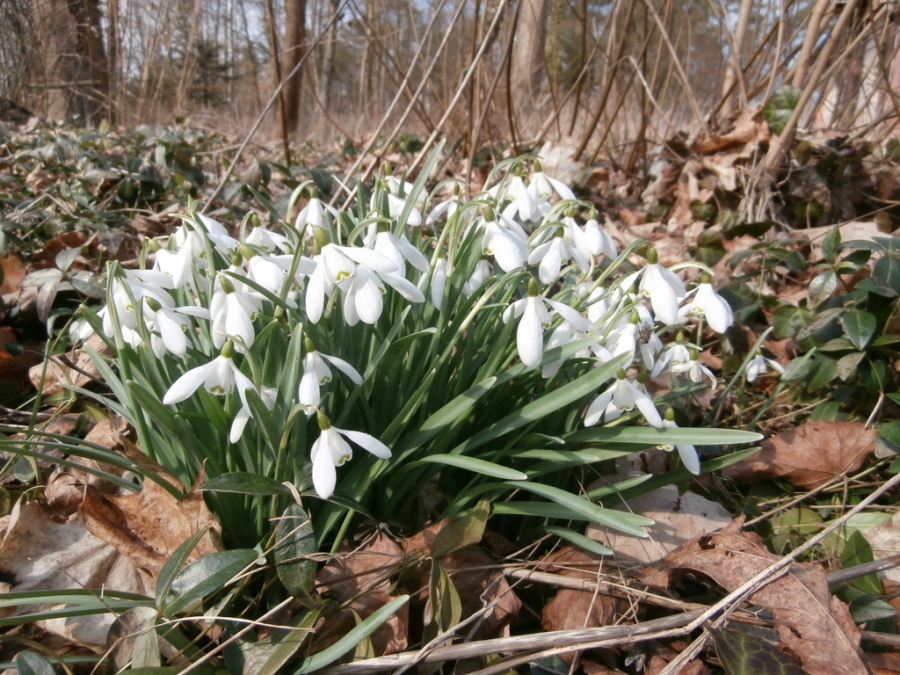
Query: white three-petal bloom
point(219, 377)
point(664, 289)
point(535, 318)
point(623, 396)
point(316, 373)
point(710, 305)
point(330, 451)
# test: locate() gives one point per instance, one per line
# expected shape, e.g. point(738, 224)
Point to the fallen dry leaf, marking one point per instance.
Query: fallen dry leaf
point(810, 455)
point(883, 664)
point(884, 539)
point(811, 623)
point(571, 608)
point(678, 518)
point(60, 373)
point(12, 271)
point(361, 576)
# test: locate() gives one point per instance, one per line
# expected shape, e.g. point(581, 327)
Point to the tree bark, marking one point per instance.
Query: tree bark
point(528, 57)
point(294, 38)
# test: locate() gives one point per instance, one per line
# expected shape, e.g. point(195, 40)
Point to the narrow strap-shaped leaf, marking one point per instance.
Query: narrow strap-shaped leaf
point(474, 465)
point(579, 540)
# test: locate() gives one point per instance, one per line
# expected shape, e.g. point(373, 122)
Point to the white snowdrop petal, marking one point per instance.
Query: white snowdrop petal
point(366, 442)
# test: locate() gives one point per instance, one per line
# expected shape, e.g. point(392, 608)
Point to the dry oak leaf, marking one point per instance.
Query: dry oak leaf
point(812, 624)
point(474, 576)
point(574, 609)
point(59, 374)
point(361, 575)
point(38, 552)
point(810, 455)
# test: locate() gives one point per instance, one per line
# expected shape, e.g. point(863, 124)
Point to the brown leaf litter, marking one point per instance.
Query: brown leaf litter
point(812, 624)
point(810, 455)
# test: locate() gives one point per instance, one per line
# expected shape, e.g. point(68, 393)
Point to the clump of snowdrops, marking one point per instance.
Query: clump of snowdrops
point(408, 357)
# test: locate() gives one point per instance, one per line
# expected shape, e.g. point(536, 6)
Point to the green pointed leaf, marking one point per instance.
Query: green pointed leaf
point(294, 541)
point(887, 269)
point(745, 654)
point(831, 245)
point(352, 638)
point(443, 609)
point(474, 465)
point(271, 653)
point(244, 483)
point(822, 287)
point(205, 576)
point(628, 523)
point(788, 320)
point(29, 663)
point(462, 532)
point(579, 540)
point(848, 365)
point(857, 551)
point(859, 327)
point(778, 109)
point(175, 562)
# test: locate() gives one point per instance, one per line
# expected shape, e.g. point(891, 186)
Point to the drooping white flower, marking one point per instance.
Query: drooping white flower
point(523, 203)
point(598, 239)
point(709, 305)
point(673, 354)
point(760, 364)
point(623, 396)
point(267, 394)
point(535, 312)
point(479, 275)
point(567, 243)
point(313, 214)
point(232, 310)
point(663, 287)
point(316, 373)
point(219, 377)
point(688, 453)
point(543, 186)
point(503, 239)
point(695, 370)
point(438, 282)
point(330, 451)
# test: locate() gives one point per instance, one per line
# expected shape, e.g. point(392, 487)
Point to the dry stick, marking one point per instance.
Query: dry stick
point(782, 141)
point(610, 80)
point(677, 62)
point(488, 38)
point(771, 573)
point(268, 107)
point(734, 74)
point(476, 129)
point(409, 108)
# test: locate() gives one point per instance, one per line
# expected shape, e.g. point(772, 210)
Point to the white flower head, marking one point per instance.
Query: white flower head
point(709, 305)
point(219, 377)
point(688, 453)
point(316, 373)
point(331, 451)
point(623, 396)
point(535, 312)
point(663, 287)
point(760, 364)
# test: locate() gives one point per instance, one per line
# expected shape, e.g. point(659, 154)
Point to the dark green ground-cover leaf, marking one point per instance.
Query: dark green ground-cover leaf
point(745, 654)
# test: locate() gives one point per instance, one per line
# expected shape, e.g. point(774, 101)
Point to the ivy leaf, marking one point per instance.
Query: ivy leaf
point(831, 245)
point(887, 269)
point(859, 326)
point(743, 654)
point(778, 109)
point(822, 287)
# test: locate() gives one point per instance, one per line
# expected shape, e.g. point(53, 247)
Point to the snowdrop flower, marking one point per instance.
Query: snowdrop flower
point(663, 287)
point(316, 373)
point(194, 233)
point(505, 243)
point(397, 249)
point(438, 283)
point(266, 240)
point(535, 317)
point(598, 240)
point(232, 311)
point(688, 453)
point(331, 451)
point(543, 186)
point(523, 202)
point(623, 396)
point(568, 243)
point(178, 264)
point(709, 305)
point(696, 371)
point(674, 354)
point(447, 208)
point(170, 323)
point(760, 364)
point(314, 213)
point(267, 394)
point(479, 275)
point(337, 266)
point(218, 377)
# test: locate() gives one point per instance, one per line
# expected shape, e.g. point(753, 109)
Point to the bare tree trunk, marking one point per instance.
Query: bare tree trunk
point(112, 41)
point(294, 34)
point(528, 57)
point(328, 57)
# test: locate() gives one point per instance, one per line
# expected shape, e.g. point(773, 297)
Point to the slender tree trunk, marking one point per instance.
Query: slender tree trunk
point(528, 57)
point(294, 34)
point(328, 57)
